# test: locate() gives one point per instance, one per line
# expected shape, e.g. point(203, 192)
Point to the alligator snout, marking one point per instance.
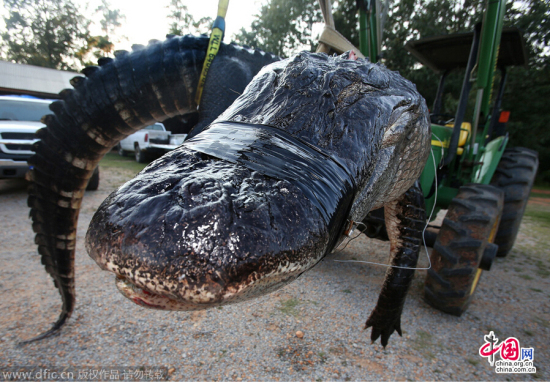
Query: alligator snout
point(192, 231)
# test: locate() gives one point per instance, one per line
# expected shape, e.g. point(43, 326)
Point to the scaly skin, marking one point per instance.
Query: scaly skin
point(193, 229)
point(199, 228)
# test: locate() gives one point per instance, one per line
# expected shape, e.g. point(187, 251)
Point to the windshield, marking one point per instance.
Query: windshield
point(23, 110)
point(155, 127)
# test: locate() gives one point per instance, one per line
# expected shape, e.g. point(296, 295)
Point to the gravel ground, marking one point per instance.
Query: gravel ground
point(257, 340)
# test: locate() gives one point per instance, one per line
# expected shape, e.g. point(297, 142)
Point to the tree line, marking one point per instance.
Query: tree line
point(56, 34)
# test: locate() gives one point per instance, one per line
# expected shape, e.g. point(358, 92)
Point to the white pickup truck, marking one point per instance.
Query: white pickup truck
point(153, 140)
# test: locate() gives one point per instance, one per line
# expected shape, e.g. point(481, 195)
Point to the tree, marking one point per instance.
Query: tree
point(102, 45)
point(283, 27)
point(528, 88)
point(346, 20)
point(112, 18)
point(416, 19)
point(183, 22)
point(46, 33)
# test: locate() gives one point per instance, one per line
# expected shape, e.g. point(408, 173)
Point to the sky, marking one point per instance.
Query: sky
point(147, 20)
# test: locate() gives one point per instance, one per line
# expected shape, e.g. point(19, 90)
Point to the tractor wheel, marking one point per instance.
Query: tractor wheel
point(463, 247)
point(515, 176)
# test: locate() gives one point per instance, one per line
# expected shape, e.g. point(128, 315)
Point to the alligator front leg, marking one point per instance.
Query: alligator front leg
point(405, 220)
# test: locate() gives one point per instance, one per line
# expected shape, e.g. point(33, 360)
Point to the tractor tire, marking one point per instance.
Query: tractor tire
point(463, 247)
point(515, 176)
point(93, 183)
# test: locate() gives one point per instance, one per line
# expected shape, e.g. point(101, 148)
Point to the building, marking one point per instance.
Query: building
point(33, 80)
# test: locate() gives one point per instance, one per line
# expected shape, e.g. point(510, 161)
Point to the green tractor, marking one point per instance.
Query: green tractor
point(483, 184)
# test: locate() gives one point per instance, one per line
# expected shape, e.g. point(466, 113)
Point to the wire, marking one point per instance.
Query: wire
point(423, 234)
point(351, 239)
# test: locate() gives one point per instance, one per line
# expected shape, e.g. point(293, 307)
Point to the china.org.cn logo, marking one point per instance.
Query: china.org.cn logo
point(513, 358)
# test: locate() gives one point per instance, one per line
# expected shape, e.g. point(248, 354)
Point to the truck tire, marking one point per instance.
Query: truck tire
point(515, 176)
point(121, 152)
point(463, 247)
point(141, 156)
point(93, 183)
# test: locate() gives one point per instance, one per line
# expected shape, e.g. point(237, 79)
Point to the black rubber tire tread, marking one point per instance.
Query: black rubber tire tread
point(93, 183)
point(459, 247)
point(515, 176)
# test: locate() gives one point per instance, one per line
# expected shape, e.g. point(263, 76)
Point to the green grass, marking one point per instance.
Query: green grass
point(424, 344)
point(473, 362)
point(539, 195)
point(113, 160)
point(288, 307)
point(542, 269)
point(540, 214)
point(536, 226)
point(541, 186)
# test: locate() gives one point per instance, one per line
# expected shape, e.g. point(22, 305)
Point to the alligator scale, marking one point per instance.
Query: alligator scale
point(256, 197)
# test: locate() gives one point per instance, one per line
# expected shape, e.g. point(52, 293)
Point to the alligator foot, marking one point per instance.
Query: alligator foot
point(405, 220)
point(383, 324)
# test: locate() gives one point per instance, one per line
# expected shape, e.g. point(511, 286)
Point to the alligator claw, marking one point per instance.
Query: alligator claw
point(383, 327)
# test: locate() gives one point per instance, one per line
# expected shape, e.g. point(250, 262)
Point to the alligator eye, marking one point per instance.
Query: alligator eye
point(395, 132)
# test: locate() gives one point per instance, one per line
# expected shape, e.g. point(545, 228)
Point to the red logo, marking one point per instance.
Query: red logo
point(509, 349)
point(514, 359)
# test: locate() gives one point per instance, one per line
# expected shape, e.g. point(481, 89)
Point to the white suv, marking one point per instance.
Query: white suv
point(19, 120)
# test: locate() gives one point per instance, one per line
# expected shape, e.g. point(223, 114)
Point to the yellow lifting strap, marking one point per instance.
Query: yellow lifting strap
point(218, 29)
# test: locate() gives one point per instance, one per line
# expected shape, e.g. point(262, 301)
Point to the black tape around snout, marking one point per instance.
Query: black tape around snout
point(273, 152)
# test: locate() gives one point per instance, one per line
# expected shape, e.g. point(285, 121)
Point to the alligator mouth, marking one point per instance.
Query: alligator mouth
point(209, 294)
point(148, 299)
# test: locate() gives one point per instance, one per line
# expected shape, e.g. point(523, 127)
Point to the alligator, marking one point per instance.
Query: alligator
point(254, 198)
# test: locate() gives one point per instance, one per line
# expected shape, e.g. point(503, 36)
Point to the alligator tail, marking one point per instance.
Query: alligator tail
point(112, 101)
